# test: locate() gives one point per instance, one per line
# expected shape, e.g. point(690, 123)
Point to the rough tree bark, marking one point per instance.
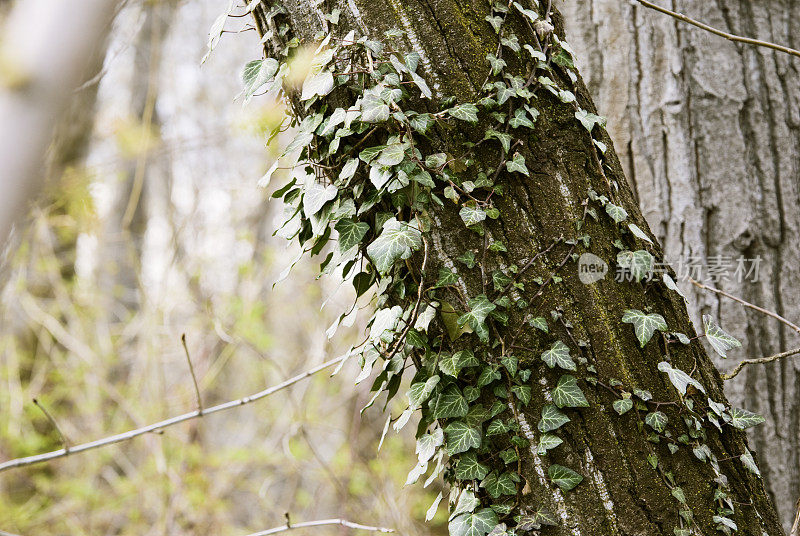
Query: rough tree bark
point(621, 493)
point(707, 131)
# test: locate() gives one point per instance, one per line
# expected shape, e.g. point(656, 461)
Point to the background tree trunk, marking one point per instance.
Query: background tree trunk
point(707, 131)
point(622, 493)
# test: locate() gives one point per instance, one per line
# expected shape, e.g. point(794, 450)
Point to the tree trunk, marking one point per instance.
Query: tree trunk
point(707, 131)
point(632, 482)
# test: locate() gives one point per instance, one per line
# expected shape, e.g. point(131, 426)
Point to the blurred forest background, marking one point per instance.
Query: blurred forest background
point(153, 226)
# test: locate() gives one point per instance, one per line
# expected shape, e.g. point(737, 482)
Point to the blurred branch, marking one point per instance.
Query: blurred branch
point(64, 440)
point(194, 378)
point(759, 361)
point(159, 426)
point(761, 310)
point(319, 523)
point(726, 35)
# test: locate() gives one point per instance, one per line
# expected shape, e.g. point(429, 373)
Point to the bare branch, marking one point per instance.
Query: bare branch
point(759, 361)
point(726, 35)
point(159, 426)
point(761, 310)
point(194, 378)
point(319, 523)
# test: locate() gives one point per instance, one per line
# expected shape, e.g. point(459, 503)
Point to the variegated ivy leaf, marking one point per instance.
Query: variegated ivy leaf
point(567, 394)
point(523, 393)
point(558, 354)
point(398, 240)
point(350, 233)
point(656, 420)
point(479, 523)
point(433, 508)
point(750, 463)
point(499, 485)
point(453, 364)
point(496, 63)
point(465, 112)
point(518, 164)
point(638, 233)
point(315, 197)
point(617, 213)
point(679, 378)
point(257, 73)
point(318, 84)
point(419, 392)
point(502, 137)
point(461, 437)
point(743, 419)
point(349, 169)
point(623, 405)
point(467, 502)
point(547, 442)
point(393, 154)
point(428, 443)
point(520, 119)
point(384, 323)
point(719, 340)
point(469, 468)
point(480, 307)
point(644, 325)
point(472, 214)
point(639, 263)
point(552, 419)
point(449, 403)
point(564, 477)
point(501, 529)
point(539, 322)
point(425, 317)
point(373, 107)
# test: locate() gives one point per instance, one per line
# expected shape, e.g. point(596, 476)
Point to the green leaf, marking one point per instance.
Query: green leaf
point(469, 468)
point(639, 263)
point(500, 485)
point(617, 213)
point(589, 120)
point(547, 442)
point(637, 232)
point(349, 169)
point(517, 164)
point(720, 341)
point(558, 354)
point(680, 380)
point(453, 364)
point(623, 405)
point(497, 427)
point(466, 503)
point(564, 477)
point(743, 419)
point(567, 394)
point(449, 403)
point(397, 241)
point(465, 112)
point(446, 278)
point(479, 523)
point(540, 323)
point(420, 391)
point(428, 443)
point(480, 307)
point(552, 419)
point(393, 154)
point(318, 84)
point(461, 437)
point(257, 73)
point(350, 233)
point(644, 325)
point(472, 214)
point(520, 119)
point(656, 420)
point(421, 122)
point(750, 463)
point(523, 392)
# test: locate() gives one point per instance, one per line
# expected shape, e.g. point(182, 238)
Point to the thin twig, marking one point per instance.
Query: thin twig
point(6, 533)
point(759, 361)
point(194, 378)
point(64, 439)
point(726, 35)
point(761, 310)
point(158, 426)
point(319, 523)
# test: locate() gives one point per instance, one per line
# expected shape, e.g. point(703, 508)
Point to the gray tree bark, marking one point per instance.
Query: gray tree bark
point(707, 131)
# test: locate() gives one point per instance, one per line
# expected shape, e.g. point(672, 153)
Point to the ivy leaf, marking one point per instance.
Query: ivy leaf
point(552, 419)
point(461, 437)
point(257, 73)
point(449, 403)
point(428, 443)
point(465, 112)
point(679, 378)
point(639, 263)
point(350, 233)
point(589, 120)
point(453, 364)
point(421, 122)
point(469, 468)
point(433, 508)
point(520, 119)
point(558, 354)
point(502, 137)
point(637, 232)
point(743, 419)
point(397, 241)
point(644, 325)
point(480, 307)
point(518, 164)
point(319, 84)
point(540, 323)
point(466, 503)
point(656, 420)
point(392, 154)
point(479, 523)
point(496, 63)
point(720, 340)
point(471, 214)
point(617, 213)
point(349, 169)
point(499, 485)
point(564, 477)
point(316, 196)
point(547, 442)
point(420, 392)
point(567, 394)
point(749, 463)
point(623, 405)
point(523, 392)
